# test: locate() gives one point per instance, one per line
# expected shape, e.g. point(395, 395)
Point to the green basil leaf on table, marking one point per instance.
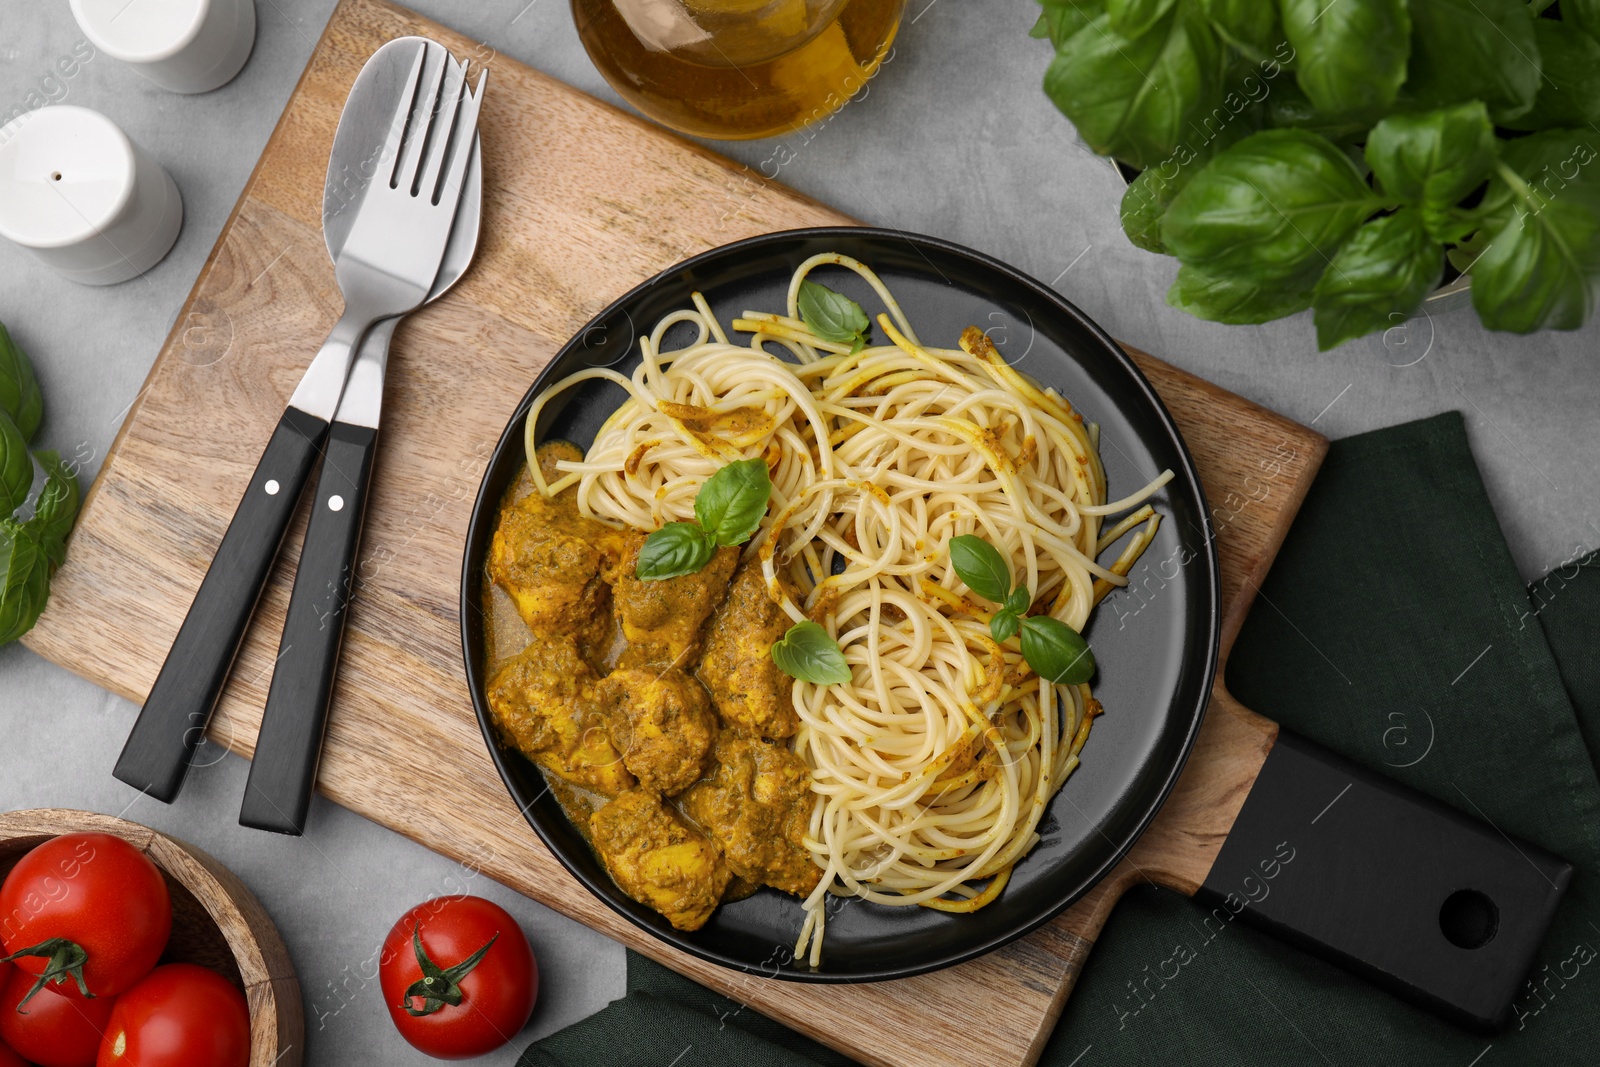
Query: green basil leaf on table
point(16, 467)
point(1239, 299)
point(1004, 624)
point(1473, 50)
point(56, 508)
point(24, 581)
point(19, 389)
point(1061, 19)
point(1433, 160)
point(1378, 279)
point(831, 316)
point(1056, 651)
point(1134, 98)
point(807, 652)
point(1541, 235)
point(731, 503)
point(678, 548)
point(980, 565)
point(1569, 91)
point(1273, 206)
point(1133, 17)
point(1251, 26)
point(1350, 54)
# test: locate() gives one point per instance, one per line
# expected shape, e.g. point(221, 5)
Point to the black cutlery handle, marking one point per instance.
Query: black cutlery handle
point(1444, 910)
point(284, 769)
point(173, 720)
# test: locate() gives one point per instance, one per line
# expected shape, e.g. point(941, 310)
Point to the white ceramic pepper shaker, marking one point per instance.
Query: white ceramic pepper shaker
point(187, 46)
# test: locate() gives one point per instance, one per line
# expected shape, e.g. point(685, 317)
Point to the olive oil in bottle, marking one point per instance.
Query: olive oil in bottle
point(736, 69)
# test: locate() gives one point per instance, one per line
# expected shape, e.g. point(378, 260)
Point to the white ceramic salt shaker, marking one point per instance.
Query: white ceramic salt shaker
point(188, 46)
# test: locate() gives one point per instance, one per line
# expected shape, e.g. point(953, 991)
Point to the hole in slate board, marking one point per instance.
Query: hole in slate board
point(1469, 919)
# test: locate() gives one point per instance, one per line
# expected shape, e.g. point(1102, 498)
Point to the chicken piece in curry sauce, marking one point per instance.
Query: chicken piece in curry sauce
point(661, 722)
point(659, 861)
point(543, 703)
point(750, 692)
point(755, 805)
point(661, 619)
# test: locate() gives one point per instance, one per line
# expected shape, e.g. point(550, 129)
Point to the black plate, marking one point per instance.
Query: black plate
point(1156, 643)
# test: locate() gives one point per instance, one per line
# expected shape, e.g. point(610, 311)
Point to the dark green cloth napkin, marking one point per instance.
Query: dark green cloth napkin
point(1394, 629)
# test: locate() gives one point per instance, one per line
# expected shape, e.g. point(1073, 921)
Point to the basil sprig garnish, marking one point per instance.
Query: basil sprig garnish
point(807, 652)
point(1054, 650)
point(833, 316)
point(727, 510)
point(32, 545)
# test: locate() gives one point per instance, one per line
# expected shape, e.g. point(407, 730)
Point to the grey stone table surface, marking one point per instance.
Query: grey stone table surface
point(953, 138)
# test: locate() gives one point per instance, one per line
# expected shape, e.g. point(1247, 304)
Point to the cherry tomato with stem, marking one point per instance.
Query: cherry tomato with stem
point(52, 1030)
point(88, 915)
point(458, 976)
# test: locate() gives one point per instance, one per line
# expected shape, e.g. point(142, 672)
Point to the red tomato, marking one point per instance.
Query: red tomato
point(87, 907)
point(178, 1015)
point(483, 1002)
point(9, 1057)
point(52, 1030)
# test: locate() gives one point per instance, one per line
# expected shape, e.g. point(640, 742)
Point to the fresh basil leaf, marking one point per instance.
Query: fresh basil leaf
point(1273, 206)
point(1473, 50)
point(1585, 14)
point(1378, 279)
point(1056, 651)
point(16, 467)
point(1350, 54)
point(1151, 193)
point(678, 548)
point(1252, 26)
point(732, 502)
point(1541, 233)
point(1133, 17)
point(1003, 624)
point(19, 389)
point(1134, 98)
point(1018, 600)
point(1290, 108)
point(24, 581)
point(807, 652)
point(980, 565)
point(1238, 299)
point(1063, 18)
point(831, 316)
point(1569, 91)
point(1433, 160)
point(56, 508)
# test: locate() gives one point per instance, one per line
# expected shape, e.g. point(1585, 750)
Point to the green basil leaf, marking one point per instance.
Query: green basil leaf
point(19, 389)
point(1473, 50)
point(1151, 193)
point(16, 467)
point(1019, 601)
point(1585, 14)
point(1569, 92)
point(1056, 651)
point(678, 548)
point(732, 502)
point(1063, 18)
point(1289, 108)
point(24, 581)
point(1134, 98)
point(980, 565)
point(56, 508)
point(1238, 299)
point(1275, 205)
point(1003, 624)
point(1378, 279)
point(831, 316)
point(1252, 26)
point(1433, 160)
point(807, 652)
point(1541, 235)
point(1133, 17)
point(1350, 54)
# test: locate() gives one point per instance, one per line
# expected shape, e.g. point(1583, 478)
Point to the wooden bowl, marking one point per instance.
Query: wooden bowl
point(216, 922)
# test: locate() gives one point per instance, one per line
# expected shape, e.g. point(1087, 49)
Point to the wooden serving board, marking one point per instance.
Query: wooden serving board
point(581, 202)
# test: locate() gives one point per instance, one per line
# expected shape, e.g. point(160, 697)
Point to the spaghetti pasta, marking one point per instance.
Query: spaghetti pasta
point(932, 767)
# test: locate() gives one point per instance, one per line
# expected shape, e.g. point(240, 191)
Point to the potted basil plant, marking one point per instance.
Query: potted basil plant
point(1348, 156)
